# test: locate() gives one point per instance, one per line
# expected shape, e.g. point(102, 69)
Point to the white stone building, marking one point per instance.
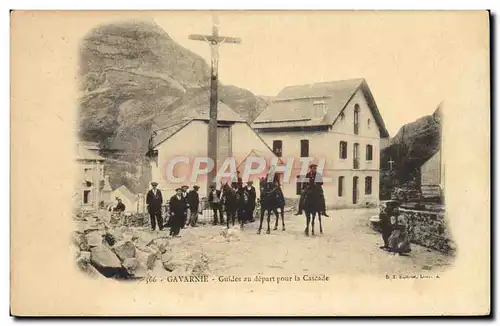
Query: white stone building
point(337, 122)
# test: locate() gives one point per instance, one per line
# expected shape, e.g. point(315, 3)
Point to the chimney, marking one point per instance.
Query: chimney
point(319, 109)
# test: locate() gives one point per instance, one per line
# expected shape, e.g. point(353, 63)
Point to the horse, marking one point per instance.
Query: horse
point(230, 202)
point(268, 202)
point(280, 204)
point(313, 205)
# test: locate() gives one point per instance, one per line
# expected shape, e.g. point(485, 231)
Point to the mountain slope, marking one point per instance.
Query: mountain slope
point(133, 72)
point(412, 146)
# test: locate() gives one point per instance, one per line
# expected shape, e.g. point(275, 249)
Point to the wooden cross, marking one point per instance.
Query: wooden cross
point(214, 41)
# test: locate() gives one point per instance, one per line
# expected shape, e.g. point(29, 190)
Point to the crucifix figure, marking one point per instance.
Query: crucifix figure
point(391, 162)
point(214, 41)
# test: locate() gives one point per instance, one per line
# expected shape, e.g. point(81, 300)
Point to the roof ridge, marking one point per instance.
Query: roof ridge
point(324, 82)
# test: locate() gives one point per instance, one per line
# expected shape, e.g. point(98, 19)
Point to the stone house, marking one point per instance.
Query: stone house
point(90, 180)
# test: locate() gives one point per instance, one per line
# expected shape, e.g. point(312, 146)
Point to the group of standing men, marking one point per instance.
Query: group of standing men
point(185, 204)
point(245, 201)
point(181, 206)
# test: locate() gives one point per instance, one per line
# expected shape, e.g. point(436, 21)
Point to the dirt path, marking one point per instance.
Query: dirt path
point(348, 245)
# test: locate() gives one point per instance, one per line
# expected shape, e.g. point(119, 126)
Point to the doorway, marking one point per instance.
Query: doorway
point(355, 190)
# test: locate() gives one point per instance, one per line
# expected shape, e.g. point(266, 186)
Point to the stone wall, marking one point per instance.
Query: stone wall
point(429, 229)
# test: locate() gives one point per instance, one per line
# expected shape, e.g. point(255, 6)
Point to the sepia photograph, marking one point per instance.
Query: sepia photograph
point(286, 150)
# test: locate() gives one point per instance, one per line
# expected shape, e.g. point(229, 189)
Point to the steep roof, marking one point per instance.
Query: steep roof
point(125, 192)
point(256, 153)
point(292, 106)
point(168, 124)
point(83, 154)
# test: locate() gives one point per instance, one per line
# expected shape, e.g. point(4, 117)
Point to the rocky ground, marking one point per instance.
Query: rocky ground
point(128, 249)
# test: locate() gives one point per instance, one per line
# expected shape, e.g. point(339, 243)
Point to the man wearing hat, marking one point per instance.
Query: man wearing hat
point(120, 206)
point(154, 200)
point(215, 204)
point(314, 182)
point(184, 189)
point(193, 200)
point(177, 207)
point(250, 196)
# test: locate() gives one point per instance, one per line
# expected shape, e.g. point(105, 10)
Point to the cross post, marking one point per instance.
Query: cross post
point(391, 162)
point(214, 41)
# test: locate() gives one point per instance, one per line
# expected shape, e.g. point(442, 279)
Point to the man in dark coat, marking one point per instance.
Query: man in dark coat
point(250, 197)
point(120, 206)
point(177, 206)
point(154, 200)
point(314, 183)
point(193, 200)
point(215, 204)
point(184, 195)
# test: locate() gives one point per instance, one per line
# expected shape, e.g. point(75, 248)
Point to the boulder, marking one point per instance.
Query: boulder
point(170, 266)
point(88, 269)
point(145, 237)
point(85, 256)
point(80, 241)
point(117, 234)
point(109, 239)
point(154, 249)
point(130, 264)
point(94, 238)
point(146, 258)
point(103, 257)
point(162, 244)
point(166, 258)
point(124, 249)
point(135, 267)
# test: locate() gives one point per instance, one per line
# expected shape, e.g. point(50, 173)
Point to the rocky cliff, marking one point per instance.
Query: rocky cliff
point(131, 73)
point(414, 144)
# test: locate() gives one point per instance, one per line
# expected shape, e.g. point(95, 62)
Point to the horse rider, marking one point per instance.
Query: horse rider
point(314, 182)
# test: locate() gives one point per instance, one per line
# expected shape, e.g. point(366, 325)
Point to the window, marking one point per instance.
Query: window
point(369, 152)
point(368, 122)
point(356, 156)
point(278, 147)
point(86, 194)
point(368, 185)
point(343, 150)
point(342, 116)
point(304, 148)
point(356, 119)
point(341, 186)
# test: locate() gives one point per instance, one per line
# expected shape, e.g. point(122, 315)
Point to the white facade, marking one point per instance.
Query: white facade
point(324, 143)
point(432, 176)
point(90, 178)
point(191, 141)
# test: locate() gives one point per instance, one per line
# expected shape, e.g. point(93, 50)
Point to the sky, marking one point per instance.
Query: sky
point(411, 60)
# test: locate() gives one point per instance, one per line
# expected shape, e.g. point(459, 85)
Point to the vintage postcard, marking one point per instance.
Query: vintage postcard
point(250, 163)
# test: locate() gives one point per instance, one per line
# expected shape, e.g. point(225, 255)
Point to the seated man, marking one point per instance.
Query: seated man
point(120, 206)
